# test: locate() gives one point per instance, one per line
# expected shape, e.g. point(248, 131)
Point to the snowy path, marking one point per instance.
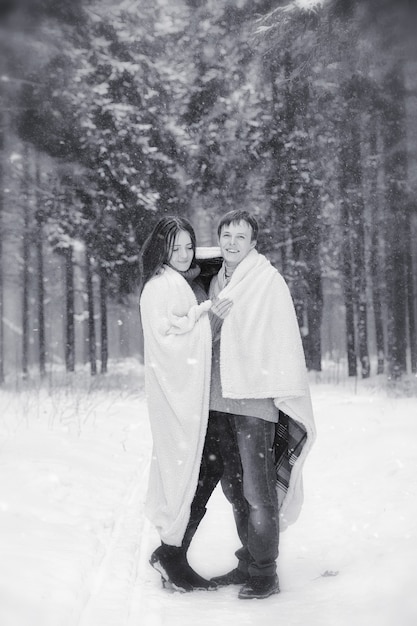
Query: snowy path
point(349, 558)
point(74, 543)
point(110, 597)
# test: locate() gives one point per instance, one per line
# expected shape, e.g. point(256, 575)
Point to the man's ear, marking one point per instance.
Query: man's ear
point(253, 243)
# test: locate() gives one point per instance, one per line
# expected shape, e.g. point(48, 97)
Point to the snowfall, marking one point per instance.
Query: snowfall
point(75, 544)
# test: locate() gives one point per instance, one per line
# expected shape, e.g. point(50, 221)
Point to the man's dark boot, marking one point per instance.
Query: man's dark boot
point(234, 577)
point(259, 587)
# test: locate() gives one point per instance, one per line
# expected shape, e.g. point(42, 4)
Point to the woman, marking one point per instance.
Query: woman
point(177, 353)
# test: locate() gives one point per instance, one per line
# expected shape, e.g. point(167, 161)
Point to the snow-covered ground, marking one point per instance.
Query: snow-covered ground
point(74, 544)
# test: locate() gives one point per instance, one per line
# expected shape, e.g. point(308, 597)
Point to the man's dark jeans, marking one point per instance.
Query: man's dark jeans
point(238, 452)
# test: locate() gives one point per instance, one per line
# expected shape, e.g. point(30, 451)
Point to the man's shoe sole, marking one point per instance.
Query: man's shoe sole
point(257, 596)
point(251, 594)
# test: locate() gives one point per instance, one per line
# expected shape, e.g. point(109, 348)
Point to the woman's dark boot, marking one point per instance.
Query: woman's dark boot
point(197, 581)
point(171, 562)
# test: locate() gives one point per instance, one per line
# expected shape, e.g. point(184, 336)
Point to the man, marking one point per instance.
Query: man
point(258, 389)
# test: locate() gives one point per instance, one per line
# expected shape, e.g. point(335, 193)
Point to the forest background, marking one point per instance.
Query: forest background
point(114, 114)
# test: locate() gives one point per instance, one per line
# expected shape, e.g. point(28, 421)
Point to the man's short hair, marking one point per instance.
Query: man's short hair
point(234, 217)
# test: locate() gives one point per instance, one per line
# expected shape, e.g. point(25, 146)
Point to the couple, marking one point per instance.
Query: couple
point(228, 399)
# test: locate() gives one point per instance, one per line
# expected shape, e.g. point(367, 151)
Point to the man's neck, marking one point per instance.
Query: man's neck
point(228, 270)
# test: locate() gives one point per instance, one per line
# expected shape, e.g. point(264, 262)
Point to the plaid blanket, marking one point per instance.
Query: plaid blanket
point(290, 437)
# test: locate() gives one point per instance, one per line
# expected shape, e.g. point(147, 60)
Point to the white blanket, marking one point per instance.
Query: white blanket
point(262, 356)
point(177, 353)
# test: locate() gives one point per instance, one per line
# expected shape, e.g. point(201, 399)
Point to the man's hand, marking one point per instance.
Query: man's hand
point(218, 311)
point(221, 307)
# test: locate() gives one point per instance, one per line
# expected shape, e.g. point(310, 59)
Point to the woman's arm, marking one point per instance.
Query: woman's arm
point(179, 324)
point(168, 309)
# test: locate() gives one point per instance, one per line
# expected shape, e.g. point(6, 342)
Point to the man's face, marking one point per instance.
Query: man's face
point(236, 242)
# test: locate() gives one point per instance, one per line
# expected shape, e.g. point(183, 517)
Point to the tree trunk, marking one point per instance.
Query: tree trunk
point(347, 272)
point(1, 250)
point(354, 269)
point(397, 222)
point(295, 213)
point(410, 302)
point(91, 325)
point(307, 237)
point(70, 308)
point(375, 260)
point(313, 282)
point(26, 263)
point(278, 221)
point(103, 319)
point(358, 243)
point(292, 218)
point(41, 281)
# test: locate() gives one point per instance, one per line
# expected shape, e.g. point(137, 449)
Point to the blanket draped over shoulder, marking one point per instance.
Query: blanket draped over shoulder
point(262, 357)
point(177, 354)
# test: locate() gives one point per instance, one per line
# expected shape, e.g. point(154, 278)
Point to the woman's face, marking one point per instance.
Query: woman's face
point(182, 251)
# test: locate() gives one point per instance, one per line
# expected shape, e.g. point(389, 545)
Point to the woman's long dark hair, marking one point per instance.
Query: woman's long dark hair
point(157, 248)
